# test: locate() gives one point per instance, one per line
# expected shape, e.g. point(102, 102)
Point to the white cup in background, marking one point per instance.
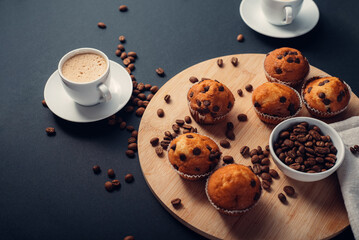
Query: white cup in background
point(83, 92)
point(281, 12)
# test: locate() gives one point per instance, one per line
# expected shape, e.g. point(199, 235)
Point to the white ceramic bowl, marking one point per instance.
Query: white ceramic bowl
point(326, 130)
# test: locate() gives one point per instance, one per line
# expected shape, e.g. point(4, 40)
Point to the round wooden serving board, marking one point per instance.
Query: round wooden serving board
point(316, 212)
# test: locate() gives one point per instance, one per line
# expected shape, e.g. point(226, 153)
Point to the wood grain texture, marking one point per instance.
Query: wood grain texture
point(316, 212)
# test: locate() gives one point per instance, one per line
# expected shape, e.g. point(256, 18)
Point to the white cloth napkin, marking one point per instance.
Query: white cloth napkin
point(348, 173)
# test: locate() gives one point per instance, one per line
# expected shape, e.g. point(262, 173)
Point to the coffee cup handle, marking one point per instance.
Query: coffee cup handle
point(105, 93)
point(288, 15)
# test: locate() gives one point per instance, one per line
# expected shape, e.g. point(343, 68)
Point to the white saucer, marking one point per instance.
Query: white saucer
point(252, 15)
point(64, 107)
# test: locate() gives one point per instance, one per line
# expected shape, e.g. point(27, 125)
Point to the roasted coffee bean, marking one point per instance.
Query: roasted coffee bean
point(193, 79)
point(230, 126)
point(255, 159)
point(228, 159)
point(273, 173)
point(176, 202)
point(187, 119)
point(176, 128)
point(249, 88)
point(240, 38)
point(123, 125)
point(129, 178)
point(44, 104)
point(145, 103)
point(50, 131)
point(130, 153)
point(266, 185)
point(224, 143)
point(123, 56)
point(132, 54)
point(266, 153)
point(240, 92)
point(160, 71)
point(167, 98)
point(266, 176)
point(131, 140)
point(149, 97)
point(159, 151)
point(123, 8)
point(122, 38)
point(101, 25)
point(160, 112)
point(352, 149)
point(265, 161)
point(220, 62)
point(253, 152)
point(230, 135)
point(289, 190)
point(129, 238)
point(116, 184)
point(120, 47)
point(108, 186)
point(284, 134)
point(132, 146)
point(265, 168)
point(96, 169)
point(234, 61)
point(242, 117)
point(140, 111)
point(154, 89)
point(111, 173)
point(131, 66)
point(282, 198)
point(244, 150)
point(180, 122)
point(356, 147)
point(257, 169)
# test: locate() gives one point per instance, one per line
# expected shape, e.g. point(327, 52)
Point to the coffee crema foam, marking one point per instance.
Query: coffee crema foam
point(83, 68)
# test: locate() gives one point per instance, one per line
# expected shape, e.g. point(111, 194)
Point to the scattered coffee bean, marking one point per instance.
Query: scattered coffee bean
point(122, 38)
point(257, 169)
point(187, 119)
point(130, 128)
point(129, 178)
point(234, 61)
point(112, 122)
point(160, 71)
point(193, 79)
point(282, 198)
point(126, 61)
point(134, 133)
point(240, 92)
point(160, 112)
point(266, 184)
point(289, 190)
point(167, 98)
point(356, 147)
point(230, 134)
point(44, 103)
point(123, 8)
point(101, 25)
point(50, 131)
point(220, 62)
point(111, 173)
point(228, 159)
point(273, 173)
point(132, 54)
point(108, 186)
point(240, 38)
point(96, 169)
point(175, 128)
point(249, 88)
point(120, 47)
point(154, 89)
point(116, 184)
point(180, 122)
point(159, 151)
point(131, 140)
point(242, 117)
point(224, 143)
point(176, 202)
point(130, 153)
point(123, 125)
point(140, 111)
point(123, 56)
point(352, 149)
point(131, 66)
point(132, 146)
point(129, 238)
point(244, 151)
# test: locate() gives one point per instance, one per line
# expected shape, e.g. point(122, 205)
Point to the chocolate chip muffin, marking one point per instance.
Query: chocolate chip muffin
point(233, 189)
point(274, 102)
point(325, 96)
point(193, 156)
point(286, 65)
point(209, 101)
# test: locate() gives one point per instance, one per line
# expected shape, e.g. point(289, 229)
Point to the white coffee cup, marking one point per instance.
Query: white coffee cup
point(87, 93)
point(281, 12)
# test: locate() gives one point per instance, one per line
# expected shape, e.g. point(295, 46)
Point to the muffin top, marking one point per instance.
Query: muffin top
point(234, 187)
point(193, 154)
point(287, 65)
point(210, 98)
point(276, 99)
point(327, 94)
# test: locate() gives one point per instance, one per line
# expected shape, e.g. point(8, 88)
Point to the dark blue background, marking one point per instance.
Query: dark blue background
point(47, 187)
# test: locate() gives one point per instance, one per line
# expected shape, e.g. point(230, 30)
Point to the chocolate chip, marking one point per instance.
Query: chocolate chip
point(173, 147)
point(208, 147)
point(196, 151)
point(282, 99)
point(229, 105)
point(289, 190)
point(234, 61)
point(291, 109)
point(189, 136)
point(279, 56)
point(278, 70)
point(240, 92)
point(290, 60)
point(191, 94)
point(326, 101)
point(221, 88)
point(282, 198)
point(215, 108)
point(321, 95)
point(249, 88)
point(339, 98)
point(256, 104)
point(285, 53)
point(309, 89)
point(321, 83)
point(297, 60)
point(242, 117)
point(160, 112)
point(175, 166)
point(183, 157)
point(206, 103)
point(96, 169)
point(224, 143)
point(228, 159)
point(108, 186)
point(326, 81)
point(253, 183)
point(193, 79)
point(256, 196)
point(198, 102)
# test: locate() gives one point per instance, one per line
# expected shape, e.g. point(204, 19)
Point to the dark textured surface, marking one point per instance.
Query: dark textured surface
point(47, 187)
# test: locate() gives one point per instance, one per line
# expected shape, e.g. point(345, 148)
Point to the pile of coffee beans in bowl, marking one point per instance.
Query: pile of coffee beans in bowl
point(306, 149)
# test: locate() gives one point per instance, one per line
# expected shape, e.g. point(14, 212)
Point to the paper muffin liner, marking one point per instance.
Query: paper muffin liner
point(190, 177)
point(316, 112)
point(229, 212)
point(275, 120)
point(291, 84)
point(201, 119)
